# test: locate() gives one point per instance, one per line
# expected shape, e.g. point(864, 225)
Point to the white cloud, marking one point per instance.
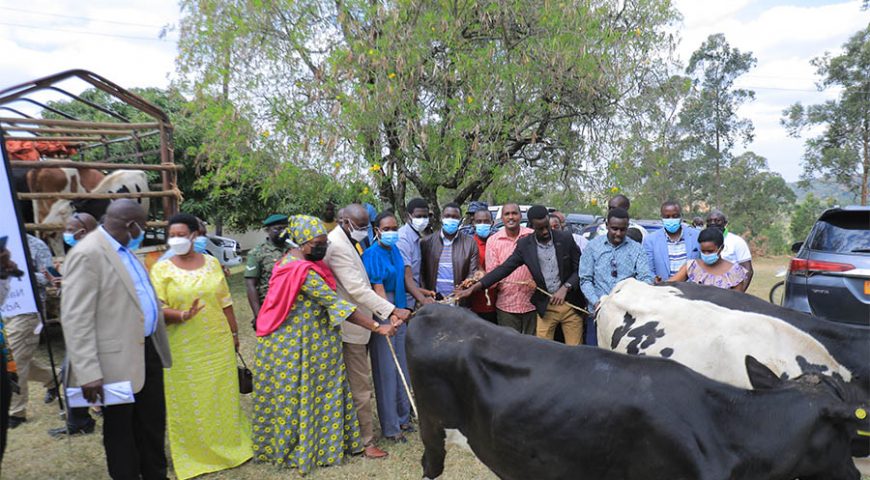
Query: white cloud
point(784, 39)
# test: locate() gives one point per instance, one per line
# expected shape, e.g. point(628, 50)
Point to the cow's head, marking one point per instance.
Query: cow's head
point(840, 414)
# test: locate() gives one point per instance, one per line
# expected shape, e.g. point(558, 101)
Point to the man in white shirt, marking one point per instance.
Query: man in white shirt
point(735, 249)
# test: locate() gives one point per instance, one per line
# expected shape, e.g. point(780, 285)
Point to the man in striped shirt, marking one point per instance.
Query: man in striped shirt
point(668, 249)
point(448, 258)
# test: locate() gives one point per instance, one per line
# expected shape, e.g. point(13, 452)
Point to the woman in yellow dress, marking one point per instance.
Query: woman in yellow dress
point(207, 430)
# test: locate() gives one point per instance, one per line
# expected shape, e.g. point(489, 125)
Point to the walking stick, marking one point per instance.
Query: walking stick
point(402, 376)
point(575, 307)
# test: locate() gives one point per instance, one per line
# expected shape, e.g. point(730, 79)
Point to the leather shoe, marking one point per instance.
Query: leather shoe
point(50, 395)
point(373, 451)
point(16, 421)
point(61, 431)
point(408, 428)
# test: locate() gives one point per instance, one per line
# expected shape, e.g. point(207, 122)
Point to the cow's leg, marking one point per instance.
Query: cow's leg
point(434, 452)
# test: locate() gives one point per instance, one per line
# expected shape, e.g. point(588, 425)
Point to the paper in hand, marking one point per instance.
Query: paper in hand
point(117, 393)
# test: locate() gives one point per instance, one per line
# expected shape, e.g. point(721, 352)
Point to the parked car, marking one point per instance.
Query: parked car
point(226, 250)
point(829, 276)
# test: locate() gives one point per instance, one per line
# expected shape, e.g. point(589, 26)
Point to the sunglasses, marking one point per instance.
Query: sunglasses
point(613, 271)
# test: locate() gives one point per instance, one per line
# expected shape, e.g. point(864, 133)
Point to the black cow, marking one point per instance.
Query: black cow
point(849, 344)
point(535, 409)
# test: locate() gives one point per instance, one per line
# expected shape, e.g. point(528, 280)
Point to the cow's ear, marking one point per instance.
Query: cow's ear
point(761, 377)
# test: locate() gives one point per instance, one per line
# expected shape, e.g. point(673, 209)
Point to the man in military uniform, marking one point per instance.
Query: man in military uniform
point(261, 260)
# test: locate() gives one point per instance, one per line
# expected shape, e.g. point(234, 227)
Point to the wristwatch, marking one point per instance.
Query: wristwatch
point(568, 285)
point(374, 326)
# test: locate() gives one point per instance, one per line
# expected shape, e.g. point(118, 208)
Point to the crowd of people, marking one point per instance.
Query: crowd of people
point(331, 299)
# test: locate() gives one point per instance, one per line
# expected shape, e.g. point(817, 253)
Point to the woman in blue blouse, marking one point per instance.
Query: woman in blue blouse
point(386, 272)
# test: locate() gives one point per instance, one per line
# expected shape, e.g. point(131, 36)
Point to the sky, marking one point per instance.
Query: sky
point(120, 40)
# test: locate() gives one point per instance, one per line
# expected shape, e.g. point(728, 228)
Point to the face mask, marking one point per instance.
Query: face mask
point(710, 258)
point(136, 242)
point(419, 224)
point(70, 239)
point(449, 225)
point(200, 243)
point(671, 224)
point(389, 239)
point(358, 235)
point(482, 229)
point(179, 245)
point(317, 252)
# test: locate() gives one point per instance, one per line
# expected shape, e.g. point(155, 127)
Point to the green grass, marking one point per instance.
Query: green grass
point(32, 454)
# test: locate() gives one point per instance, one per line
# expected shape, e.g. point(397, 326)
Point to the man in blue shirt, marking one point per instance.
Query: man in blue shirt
point(609, 259)
point(409, 246)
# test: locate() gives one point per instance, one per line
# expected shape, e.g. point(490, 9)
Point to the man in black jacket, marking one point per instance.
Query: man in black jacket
point(553, 259)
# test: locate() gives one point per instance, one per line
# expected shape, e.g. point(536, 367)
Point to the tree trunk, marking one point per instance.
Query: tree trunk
point(865, 172)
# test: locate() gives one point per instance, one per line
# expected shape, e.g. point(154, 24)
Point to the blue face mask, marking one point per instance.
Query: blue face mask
point(710, 258)
point(449, 225)
point(136, 242)
point(389, 239)
point(70, 239)
point(199, 244)
point(671, 224)
point(482, 229)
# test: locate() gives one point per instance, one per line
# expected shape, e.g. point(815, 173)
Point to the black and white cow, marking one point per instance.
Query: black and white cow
point(710, 338)
point(849, 344)
point(532, 408)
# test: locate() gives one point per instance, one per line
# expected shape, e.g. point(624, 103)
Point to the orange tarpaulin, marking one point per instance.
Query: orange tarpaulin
point(32, 150)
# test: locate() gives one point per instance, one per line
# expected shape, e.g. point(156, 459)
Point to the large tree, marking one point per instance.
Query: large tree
point(841, 152)
point(438, 97)
point(710, 115)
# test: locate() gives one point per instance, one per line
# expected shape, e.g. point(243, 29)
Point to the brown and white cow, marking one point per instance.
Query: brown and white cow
point(59, 180)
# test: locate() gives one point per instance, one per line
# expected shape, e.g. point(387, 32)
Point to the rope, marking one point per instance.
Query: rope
point(575, 307)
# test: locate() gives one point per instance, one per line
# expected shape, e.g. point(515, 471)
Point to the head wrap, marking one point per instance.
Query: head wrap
point(303, 228)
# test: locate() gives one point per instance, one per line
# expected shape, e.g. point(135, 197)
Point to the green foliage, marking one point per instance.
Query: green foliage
point(804, 216)
point(842, 151)
point(439, 97)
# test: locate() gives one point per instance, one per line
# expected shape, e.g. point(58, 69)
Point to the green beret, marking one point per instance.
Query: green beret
point(275, 219)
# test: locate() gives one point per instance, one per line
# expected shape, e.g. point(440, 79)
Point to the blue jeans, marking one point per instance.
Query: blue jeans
point(394, 407)
point(591, 331)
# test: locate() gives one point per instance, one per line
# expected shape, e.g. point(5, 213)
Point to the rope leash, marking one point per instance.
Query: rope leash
point(575, 307)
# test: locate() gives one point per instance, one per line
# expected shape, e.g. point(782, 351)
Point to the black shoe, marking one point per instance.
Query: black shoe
point(61, 431)
point(397, 439)
point(16, 421)
point(50, 395)
point(408, 428)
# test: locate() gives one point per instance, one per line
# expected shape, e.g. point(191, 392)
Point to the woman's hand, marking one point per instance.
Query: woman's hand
point(192, 311)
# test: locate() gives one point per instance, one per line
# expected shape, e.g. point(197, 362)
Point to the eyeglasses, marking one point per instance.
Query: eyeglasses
point(613, 271)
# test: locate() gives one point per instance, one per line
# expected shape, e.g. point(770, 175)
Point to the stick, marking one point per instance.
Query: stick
point(402, 376)
point(575, 307)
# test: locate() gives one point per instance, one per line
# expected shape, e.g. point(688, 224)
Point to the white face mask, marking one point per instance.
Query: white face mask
point(359, 235)
point(179, 245)
point(420, 224)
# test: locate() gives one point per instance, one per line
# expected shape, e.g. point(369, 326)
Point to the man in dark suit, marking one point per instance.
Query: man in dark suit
point(553, 258)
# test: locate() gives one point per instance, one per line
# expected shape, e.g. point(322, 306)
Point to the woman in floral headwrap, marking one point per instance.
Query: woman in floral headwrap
point(303, 412)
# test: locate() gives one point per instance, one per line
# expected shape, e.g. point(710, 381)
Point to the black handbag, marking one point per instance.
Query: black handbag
point(246, 378)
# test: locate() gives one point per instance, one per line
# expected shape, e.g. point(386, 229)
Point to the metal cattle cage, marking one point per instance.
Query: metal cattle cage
point(99, 145)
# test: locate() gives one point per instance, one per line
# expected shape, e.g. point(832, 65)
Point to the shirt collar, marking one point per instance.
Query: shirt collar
point(445, 241)
point(115, 245)
point(624, 241)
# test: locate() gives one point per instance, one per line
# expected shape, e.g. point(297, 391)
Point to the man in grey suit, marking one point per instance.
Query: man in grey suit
point(114, 331)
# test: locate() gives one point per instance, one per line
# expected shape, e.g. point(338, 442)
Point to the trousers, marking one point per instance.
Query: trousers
point(394, 407)
point(23, 343)
point(356, 361)
point(134, 435)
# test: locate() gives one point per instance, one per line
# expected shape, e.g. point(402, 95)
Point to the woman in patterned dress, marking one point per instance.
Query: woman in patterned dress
point(303, 411)
point(207, 429)
point(711, 268)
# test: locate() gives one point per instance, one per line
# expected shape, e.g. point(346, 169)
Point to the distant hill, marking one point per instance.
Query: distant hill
point(825, 191)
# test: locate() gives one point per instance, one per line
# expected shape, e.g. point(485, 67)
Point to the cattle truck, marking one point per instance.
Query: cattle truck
point(77, 152)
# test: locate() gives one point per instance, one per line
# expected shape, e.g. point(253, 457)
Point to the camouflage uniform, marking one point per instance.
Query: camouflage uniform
point(261, 259)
